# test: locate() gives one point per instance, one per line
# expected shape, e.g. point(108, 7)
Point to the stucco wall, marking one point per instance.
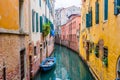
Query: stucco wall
point(9, 14)
point(108, 31)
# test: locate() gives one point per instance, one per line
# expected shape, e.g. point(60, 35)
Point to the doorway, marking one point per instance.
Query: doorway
point(87, 50)
point(22, 64)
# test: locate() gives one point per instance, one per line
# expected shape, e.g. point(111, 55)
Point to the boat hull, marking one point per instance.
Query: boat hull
point(45, 67)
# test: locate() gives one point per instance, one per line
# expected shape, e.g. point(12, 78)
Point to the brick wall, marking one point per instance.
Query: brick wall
point(10, 47)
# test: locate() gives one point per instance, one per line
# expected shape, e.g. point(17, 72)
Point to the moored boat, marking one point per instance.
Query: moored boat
point(48, 64)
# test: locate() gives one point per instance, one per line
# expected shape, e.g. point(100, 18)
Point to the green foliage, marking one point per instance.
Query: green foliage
point(105, 61)
point(46, 29)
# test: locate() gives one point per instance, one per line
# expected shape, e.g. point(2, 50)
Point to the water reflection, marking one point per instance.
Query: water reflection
point(68, 67)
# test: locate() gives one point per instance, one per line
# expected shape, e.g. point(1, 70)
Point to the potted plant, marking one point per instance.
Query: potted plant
point(105, 61)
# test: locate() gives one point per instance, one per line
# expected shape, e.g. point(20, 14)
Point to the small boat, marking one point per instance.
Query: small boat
point(48, 64)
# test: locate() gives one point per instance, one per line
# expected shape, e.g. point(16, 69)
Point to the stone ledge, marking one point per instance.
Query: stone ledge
point(14, 32)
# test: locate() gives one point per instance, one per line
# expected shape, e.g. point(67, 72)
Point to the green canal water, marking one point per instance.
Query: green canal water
point(69, 66)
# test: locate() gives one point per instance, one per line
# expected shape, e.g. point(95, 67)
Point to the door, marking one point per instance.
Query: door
point(22, 64)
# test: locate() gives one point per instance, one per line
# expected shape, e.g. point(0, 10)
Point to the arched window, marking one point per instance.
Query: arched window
point(118, 69)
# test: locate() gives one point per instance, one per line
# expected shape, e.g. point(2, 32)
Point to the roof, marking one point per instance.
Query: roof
point(73, 15)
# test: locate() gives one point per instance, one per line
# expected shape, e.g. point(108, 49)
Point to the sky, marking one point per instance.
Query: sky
point(66, 3)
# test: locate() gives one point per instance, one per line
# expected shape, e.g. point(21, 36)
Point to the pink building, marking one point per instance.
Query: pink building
point(70, 32)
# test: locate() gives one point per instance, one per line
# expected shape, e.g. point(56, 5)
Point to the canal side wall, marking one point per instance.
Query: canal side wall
point(66, 44)
point(50, 46)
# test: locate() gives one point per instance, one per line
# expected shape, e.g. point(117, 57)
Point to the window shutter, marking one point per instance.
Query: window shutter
point(118, 5)
point(115, 8)
point(87, 20)
point(40, 3)
point(90, 18)
point(33, 21)
point(105, 9)
point(97, 12)
point(36, 22)
point(41, 23)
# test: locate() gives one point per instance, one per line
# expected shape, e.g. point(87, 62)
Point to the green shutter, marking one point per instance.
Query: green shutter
point(87, 20)
point(36, 22)
point(115, 7)
point(97, 12)
point(33, 21)
point(90, 19)
point(105, 9)
point(41, 23)
point(40, 3)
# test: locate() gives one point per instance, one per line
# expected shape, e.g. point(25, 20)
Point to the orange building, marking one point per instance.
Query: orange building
point(14, 28)
point(70, 32)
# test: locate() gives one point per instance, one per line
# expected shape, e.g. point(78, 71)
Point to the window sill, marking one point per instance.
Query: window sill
point(105, 21)
point(97, 24)
point(118, 14)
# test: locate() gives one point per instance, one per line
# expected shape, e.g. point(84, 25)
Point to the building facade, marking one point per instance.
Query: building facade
point(62, 17)
point(40, 47)
point(14, 39)
point(99, 37)
point(70, 32)
point(22, 46)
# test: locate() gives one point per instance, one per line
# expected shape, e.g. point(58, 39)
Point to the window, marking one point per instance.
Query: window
point(105, 9)
point(89, 19)
point(105, 56)
point(33, 24)
point(96, 51)
point(116, 7)
point(40, 3)
point(36, 22)
point(41, 23)
point(21, 14)
point(118, 69)
point(97, 12)
point(22, 64)
point(35, 51)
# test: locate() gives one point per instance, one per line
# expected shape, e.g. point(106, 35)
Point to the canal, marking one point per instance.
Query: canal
point(69, 66)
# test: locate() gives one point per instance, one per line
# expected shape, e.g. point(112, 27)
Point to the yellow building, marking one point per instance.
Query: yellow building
point(100, 36)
